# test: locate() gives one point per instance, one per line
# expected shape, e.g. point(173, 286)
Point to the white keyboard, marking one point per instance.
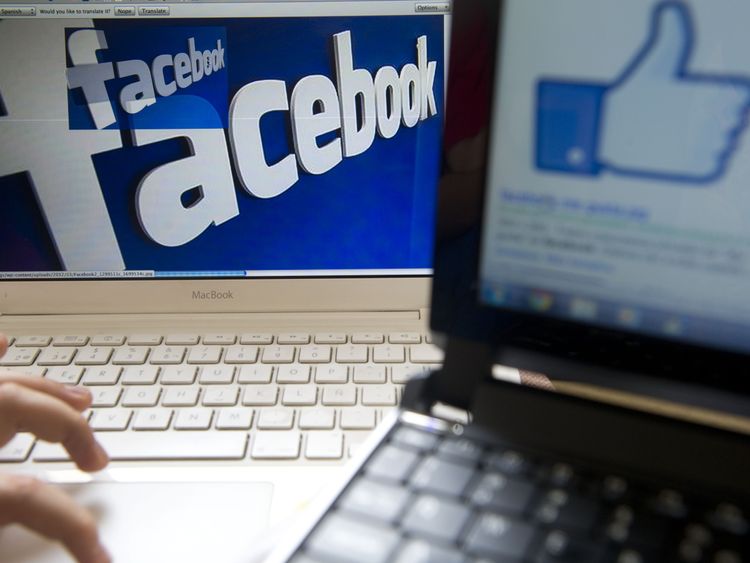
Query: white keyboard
point(255, 396)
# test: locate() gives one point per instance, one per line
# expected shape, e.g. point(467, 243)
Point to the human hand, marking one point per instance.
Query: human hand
point(52, 412)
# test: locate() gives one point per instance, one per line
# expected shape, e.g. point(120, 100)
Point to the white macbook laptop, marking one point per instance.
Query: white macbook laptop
point(219, 218)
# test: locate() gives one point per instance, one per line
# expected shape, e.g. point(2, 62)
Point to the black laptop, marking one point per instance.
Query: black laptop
point(594, 226)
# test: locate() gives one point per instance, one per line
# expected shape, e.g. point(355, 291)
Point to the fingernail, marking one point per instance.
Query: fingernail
point(78, 392)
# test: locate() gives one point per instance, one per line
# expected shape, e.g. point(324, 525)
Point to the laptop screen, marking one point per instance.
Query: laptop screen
point(617, 178)
point(211, 139)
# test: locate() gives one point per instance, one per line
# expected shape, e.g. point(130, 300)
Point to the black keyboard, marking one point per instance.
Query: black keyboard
point(432, 496)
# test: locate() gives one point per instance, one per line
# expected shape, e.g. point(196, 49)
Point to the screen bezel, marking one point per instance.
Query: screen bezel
point(557, 344)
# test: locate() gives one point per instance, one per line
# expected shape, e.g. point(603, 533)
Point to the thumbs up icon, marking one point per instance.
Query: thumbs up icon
point(657, 120)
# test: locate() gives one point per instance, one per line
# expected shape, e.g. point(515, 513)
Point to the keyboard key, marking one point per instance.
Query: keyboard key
point(460, 450)
point(391, 463)
point(276, 445)
point(35, 371)
point(141, 396)
point(239, 354)
point(425, 354)
point(18, 448)
point(561, 546)
point(107, 340)
point(339, 395)
point(341, 539)
point(275, 419)
point(379, 396)
point(56, 356)
point(729, 518)
point(375, 500)
point(330, 338)
point(437, 475)
point(19, 356)
point(152, 419)
point(46, 451)
point(505, 494)
point(223, 396)
point(413, 438)
point(324, 445)
point(435, 517)
point(567, 510)
point(130, 355)
point(204, 354)
point(139, 375)
point(32, 340)
point(293, 338)
point(256, 338)
point(351, 354)
point(110, 419)
point(180, 397)
point(420, 551)
point(388, 354)
point(357, 419)
point(331, 374)
point(167, 354)
point(317, 419)
point(144, 339)
point(259, 395)
point(70, 340)
point(216, 375)
point(402, 373)
point(300, 395)
point(613, 488)
point(234, 419)
point(255, 374)
point(367, 338)
point(369, 374)
point(174, 445)
point(314, 354)
point(193, 419)
point(93, 356)
point(294, 373)
point(404, 338)
point(278, 355)
point(509, 462)
point(495, 536)
point(181, 339)
point(219, 338)
point(68, 375)
point(178, 375)
point(105, 396)
point(670, 503)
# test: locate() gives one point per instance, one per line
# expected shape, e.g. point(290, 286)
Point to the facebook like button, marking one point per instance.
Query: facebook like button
point(657, 120)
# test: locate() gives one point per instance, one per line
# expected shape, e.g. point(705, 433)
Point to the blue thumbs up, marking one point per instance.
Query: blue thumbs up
point(656, 120)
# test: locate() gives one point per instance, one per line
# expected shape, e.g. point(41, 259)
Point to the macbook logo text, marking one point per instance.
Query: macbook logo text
point(212, 295)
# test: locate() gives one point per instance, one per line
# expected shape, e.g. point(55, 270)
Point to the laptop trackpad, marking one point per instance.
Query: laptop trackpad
point(140, 522)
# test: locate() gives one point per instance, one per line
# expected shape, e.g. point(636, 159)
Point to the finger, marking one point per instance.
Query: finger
point(46, 509)
point(52, 420)
point(668, 46)
point(77, 397)
point(3, 344)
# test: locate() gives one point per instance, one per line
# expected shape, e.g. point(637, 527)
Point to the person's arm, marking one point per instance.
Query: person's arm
point(52, 412)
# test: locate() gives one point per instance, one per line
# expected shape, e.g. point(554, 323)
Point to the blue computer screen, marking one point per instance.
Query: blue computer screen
point(220, 146)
